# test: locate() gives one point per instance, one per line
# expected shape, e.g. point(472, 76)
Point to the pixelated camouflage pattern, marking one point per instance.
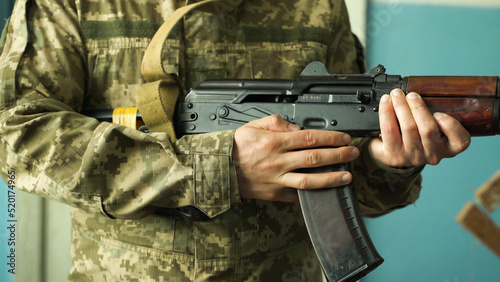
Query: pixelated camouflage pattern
point(395, 187)
point(62, 56)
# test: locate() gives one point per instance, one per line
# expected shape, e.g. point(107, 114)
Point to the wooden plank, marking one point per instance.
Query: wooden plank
point(481, 226)
point(489, 194)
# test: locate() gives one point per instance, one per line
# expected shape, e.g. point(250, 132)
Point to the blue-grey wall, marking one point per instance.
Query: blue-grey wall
point(423, 242)
point(5, 8)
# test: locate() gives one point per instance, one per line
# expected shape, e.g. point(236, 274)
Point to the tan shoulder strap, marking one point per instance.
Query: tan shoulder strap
point(157, 98)
point(156, 102)
point(152, 67)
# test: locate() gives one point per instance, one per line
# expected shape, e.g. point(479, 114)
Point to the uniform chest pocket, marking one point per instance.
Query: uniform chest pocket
point(283, 53)
point(274, 60)
point(256, 60)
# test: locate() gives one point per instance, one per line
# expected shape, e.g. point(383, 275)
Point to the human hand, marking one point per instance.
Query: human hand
point(268, 151)
point(412, 136)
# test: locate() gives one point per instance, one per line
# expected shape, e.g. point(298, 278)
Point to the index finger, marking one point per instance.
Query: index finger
point(314, 139)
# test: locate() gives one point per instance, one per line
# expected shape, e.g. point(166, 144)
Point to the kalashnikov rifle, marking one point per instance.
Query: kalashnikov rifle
point(347, 103)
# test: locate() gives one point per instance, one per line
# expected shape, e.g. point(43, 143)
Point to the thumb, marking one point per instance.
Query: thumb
point(274, 123)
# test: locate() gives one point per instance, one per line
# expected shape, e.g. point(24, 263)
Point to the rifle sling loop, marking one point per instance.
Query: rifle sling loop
point(157, 98)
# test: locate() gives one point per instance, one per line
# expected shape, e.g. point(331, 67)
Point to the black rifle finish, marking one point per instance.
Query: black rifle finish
point(348, 103)
point(318, 100)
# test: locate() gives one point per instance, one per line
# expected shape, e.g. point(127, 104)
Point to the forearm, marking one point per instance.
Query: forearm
point(112, 169)
point(102, 168)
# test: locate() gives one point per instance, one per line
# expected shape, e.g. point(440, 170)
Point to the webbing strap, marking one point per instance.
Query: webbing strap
point(152, 67)
point(156, 102)
point(157, 98)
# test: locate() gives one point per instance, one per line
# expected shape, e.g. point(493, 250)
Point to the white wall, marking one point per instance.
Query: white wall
point(357, 14)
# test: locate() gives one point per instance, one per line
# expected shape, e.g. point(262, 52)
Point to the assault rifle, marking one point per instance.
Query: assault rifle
point(347, 103)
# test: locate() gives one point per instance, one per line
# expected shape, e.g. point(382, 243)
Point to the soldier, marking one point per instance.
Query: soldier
point(60, 57)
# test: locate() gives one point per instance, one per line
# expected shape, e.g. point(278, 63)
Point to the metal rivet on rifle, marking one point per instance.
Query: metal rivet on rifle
point(192, 127)
point(375, 109)
point(190, 106)
point(223, 112)
point(213, 116)
point(334, 123)
point(361, 109)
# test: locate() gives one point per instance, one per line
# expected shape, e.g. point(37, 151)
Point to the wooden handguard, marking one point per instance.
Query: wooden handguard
point(473, 100)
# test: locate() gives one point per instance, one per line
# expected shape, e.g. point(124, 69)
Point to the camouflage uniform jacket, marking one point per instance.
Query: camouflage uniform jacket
point(60, 57)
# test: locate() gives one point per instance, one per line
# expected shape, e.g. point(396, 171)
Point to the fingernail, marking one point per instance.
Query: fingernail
point(354, 153)
point(439, 116)
point(346, 178)
point(413, 95)
point(385, 98)
point(347, 138)
point(397, 92)
point(293, 127)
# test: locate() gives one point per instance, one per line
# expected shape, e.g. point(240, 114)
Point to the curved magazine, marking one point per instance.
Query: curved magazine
point(342, 243)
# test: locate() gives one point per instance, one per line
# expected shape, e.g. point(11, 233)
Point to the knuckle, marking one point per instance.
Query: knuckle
point(396, 161)
point(418, 158)
point(409, 127)
point(429, 132)
point(313, 158)
point(303, 183)
point(333, 180)
point(434, 160)
point(310, 139)
point(418, 105)
point(463, 145)
point(339, 155)
point(385, 127)
point(272, 166)
point(275, 119)
point(269, 143)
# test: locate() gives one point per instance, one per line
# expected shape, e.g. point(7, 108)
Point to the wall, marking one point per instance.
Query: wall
point(357, 16)
point(423, 242)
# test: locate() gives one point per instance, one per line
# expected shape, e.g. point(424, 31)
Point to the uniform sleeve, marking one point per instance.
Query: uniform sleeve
point(99, 167)
point(380, 189)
